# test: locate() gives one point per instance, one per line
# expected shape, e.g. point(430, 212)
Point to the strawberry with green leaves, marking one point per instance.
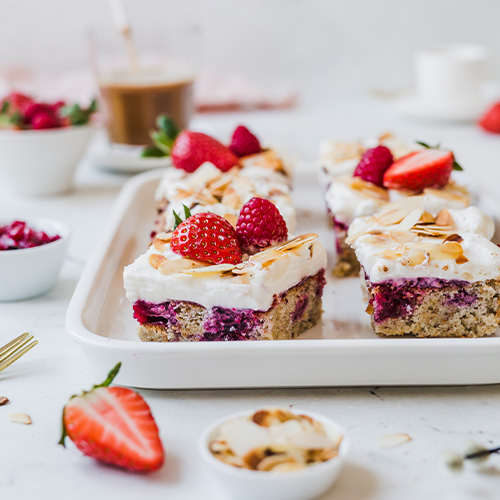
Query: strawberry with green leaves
point(188, 149)
point(113, 425)
point(207, 237)
point(429, 168)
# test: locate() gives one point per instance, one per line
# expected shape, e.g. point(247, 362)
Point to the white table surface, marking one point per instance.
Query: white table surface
point(32, 465)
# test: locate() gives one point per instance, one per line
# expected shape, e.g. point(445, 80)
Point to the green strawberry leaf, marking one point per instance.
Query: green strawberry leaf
point(178, 220)
point(457, 166)
point(152, 152)
point(161, 141)
point(166, 124)
point(78, 115)
point(423, 144)
point(5, 107)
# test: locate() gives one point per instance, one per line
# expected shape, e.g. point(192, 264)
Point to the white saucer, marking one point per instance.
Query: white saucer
point(411, 105)
point(123, 158)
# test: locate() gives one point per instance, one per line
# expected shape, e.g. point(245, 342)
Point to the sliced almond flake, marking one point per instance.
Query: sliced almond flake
point(243, 270)
point(19, 418)
point(156, 260)
point(461, 259)
point(392, 217)
point(416, 256)
point(379, 240)
point(269, 463)
point(217, 268)
point(402, 236)
point(231, 200)
point(454, 237)
point(303, 239)
point(392, 440)
point(165, 237)
point(205, 197)
point(178, 265)
point(3, 400)
point(265, 256)
point(410, 220)
point(288, 467)
point(231, 218)
point(220, 184)
point(426, 218)
point(390, 254)
point(449, 194)
point(159, 245)
point(446, 251)
point(369, 189)
point(182, 194)
point(443, 218)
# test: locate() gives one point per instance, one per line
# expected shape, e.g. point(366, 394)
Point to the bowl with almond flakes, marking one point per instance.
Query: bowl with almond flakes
point(274, 453)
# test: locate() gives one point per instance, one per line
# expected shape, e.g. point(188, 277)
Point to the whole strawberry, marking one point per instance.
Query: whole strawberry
point(259, 225)
point(191, 149)
point(114, 425)
point(490, 121)
point(207, 237)
point(373, 164)
point(44, 119)
point(244, 143)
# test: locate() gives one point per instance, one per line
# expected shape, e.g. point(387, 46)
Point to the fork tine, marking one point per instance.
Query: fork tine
point(8, 361)
point(7, 346)
point(14, 348)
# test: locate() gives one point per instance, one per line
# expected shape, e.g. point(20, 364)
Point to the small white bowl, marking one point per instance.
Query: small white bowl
point(29, 272)
point(41, 162)
point(304, 484)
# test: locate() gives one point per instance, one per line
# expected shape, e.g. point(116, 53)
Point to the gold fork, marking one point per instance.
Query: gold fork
point(15, 349)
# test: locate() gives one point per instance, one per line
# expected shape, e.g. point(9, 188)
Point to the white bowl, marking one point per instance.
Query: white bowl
point(29, 272)
point(41, 162)
point(304, 484)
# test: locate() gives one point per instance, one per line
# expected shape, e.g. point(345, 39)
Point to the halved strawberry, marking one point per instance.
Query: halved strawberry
point(430, 168)
point(114, 425)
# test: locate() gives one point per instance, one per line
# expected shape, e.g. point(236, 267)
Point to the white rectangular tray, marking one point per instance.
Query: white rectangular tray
point(343, 351)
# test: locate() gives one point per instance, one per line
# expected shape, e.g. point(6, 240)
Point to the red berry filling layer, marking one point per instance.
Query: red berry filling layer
point(394, 299)
point(19, 235)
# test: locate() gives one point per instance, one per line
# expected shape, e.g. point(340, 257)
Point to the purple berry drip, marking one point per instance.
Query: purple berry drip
point(18, 235)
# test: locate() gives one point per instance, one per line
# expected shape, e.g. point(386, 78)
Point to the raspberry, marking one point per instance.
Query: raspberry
point(244, 143)
point(259, 225)
point(373, 164)
point(207, 237)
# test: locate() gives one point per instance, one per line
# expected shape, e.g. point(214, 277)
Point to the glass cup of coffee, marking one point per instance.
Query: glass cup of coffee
point(142, 74)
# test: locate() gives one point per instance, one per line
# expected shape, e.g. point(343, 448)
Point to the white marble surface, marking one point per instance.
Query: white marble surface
point(32, 465)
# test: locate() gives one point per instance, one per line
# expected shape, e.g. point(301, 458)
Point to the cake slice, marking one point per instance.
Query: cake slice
point(223, 193)
point(206, 281)
point(430, 276)
point(356, 174)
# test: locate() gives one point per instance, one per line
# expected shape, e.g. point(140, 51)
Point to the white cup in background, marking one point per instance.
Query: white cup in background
point(451, 77)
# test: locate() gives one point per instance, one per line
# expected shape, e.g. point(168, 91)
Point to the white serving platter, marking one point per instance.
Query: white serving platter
point(342, 351)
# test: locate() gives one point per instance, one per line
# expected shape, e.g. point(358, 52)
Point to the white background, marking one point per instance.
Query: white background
point(340, 46)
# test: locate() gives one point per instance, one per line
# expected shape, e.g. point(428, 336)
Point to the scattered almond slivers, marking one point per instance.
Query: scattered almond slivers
point(179, 265)
point(274, 440)
point(369, 189)
point(392, 440)
point(19, 418)
point(156, 260)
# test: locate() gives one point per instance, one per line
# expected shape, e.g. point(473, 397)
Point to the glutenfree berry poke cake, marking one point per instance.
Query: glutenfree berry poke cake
point(429, 276)
point(209, 281)
point(208, 176)
point(380, 175)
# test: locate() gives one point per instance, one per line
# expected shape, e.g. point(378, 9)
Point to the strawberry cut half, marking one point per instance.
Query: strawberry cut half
point(416, 171)
point(114, 425)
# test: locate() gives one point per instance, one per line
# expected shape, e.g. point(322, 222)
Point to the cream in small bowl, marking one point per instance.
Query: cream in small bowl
point(29, 272)
point(274, 454)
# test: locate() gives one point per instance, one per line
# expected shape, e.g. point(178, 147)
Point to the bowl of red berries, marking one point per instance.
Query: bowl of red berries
point(41, 143)
point(32, 252)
